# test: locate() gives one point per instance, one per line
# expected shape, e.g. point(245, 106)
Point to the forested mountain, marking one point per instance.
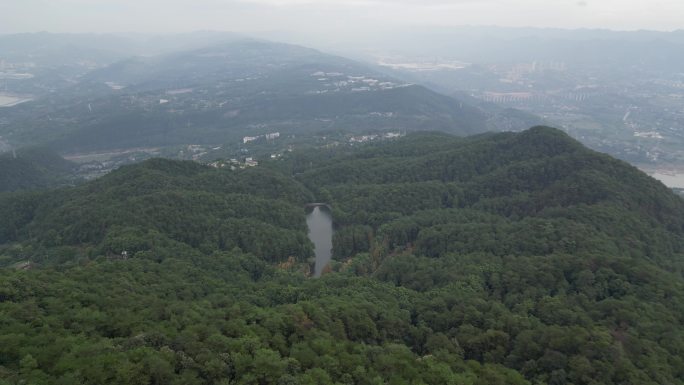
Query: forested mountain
point(493, 259)
point(163, 204)
point(34, 168)
point(225, 91)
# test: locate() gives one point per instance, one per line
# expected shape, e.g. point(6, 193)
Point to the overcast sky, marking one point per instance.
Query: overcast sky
point(330, 15)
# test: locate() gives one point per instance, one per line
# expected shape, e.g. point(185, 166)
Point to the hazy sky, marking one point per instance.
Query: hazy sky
point(330, 15)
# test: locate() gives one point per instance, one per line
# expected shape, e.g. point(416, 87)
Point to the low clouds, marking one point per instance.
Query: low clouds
point(352, 3)
point(325, 15)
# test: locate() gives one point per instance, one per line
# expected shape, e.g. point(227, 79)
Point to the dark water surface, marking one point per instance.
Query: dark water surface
point(319, 221)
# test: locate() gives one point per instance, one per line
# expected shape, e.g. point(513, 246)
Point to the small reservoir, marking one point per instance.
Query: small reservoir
point(320, 224)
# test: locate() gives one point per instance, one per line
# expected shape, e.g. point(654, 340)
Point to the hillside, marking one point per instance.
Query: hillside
point(512, 258)
point(166, 205)
point(220, 93)
point(34, 168)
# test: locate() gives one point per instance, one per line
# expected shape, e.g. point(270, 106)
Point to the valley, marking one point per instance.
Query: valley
point(618, 92)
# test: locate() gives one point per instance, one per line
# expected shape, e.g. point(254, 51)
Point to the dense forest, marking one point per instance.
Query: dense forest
point(494, 259)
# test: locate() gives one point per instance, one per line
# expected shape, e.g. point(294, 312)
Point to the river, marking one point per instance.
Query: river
point(319, 221)
point(7, 100)
point(670, 179)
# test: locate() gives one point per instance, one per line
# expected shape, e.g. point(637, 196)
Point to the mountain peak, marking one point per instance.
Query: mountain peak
point(547, 140)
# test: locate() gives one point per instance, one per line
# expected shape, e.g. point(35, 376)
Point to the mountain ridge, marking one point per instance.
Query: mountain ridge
point(508, 258)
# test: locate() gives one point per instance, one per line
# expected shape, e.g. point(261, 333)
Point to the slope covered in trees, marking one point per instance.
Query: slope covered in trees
point(158, 205)
point(495, 259)
point(33, 168)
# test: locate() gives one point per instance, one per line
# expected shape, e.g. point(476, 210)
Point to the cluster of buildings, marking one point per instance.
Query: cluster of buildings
point(371, 137)
point(337, 81)
point(234, 163)
point(271, 136)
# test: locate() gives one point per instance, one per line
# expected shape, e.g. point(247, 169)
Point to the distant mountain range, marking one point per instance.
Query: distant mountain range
point(652, 50)
point(222, 91)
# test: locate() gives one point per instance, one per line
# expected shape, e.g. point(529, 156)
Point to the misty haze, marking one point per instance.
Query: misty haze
point(341, 192)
